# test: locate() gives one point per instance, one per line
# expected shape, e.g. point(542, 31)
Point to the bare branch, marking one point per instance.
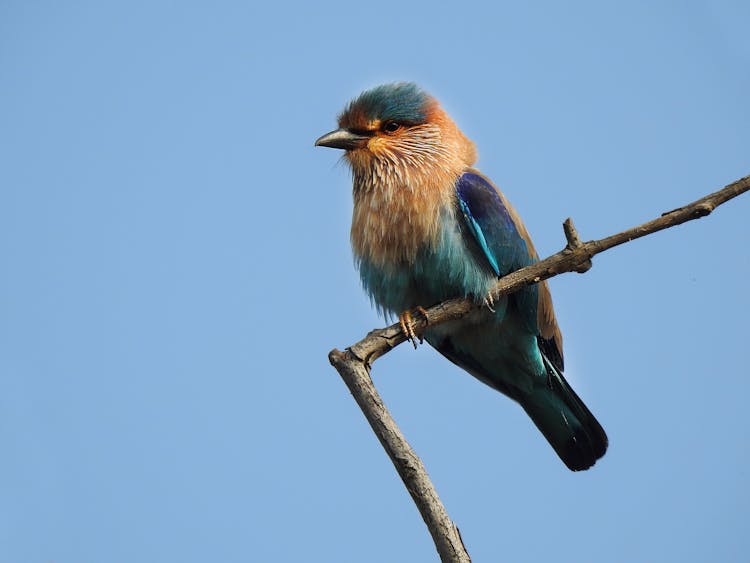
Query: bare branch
point(354, 364)
point(444, 532)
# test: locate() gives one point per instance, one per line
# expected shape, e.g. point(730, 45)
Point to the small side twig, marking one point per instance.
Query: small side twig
point(574, 242)
point(354, 363)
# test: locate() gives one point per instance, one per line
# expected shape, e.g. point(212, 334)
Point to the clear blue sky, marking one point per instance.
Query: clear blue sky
point(176, 267)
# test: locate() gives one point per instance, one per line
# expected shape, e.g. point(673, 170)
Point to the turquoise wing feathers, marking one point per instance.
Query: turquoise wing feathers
point(498, 232)
point(492, 224)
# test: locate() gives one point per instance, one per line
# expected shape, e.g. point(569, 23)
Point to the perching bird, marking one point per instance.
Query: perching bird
point(428, 227)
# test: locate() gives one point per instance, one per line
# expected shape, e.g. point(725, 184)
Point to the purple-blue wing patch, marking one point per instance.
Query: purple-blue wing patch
point(491, 224)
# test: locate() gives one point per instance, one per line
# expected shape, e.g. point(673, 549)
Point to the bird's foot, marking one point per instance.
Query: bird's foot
point(489, 301)
point(407, 324)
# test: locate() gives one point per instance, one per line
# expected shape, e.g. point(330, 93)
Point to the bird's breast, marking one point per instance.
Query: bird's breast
point(390, 224)
point(405, 260)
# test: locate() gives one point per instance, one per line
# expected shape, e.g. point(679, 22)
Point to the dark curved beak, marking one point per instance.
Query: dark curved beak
point(342, 139)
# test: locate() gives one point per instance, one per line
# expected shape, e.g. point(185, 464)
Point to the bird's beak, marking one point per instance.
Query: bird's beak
point(342, 139)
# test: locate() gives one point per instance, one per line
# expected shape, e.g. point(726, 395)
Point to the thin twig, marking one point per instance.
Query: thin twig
point(354, 363)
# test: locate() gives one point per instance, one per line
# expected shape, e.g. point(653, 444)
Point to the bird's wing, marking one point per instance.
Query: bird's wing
point(493, 223)
point(507, 246)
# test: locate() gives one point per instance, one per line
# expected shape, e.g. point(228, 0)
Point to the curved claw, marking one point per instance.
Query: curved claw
point(489, 301)
point(406, 322)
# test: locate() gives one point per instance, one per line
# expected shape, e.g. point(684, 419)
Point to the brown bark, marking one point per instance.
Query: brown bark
point(355, 362)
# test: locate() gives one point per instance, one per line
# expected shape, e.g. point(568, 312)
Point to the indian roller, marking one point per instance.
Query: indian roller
point(427, 227)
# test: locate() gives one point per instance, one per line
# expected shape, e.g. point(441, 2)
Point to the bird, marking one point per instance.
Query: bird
point(426, 227)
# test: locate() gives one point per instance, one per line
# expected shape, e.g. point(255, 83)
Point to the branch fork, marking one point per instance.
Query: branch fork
point(355, 362)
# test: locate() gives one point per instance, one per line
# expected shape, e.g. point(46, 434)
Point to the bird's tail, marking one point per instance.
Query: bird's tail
point(566, 422)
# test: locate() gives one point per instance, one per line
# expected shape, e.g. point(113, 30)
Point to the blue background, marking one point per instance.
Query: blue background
point(175, 267)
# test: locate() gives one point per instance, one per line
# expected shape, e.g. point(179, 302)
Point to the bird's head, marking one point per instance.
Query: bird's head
point(397, 132)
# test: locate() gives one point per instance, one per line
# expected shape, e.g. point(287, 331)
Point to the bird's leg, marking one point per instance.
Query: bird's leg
point(490, 301)
point(407, 324)
point(407, 327)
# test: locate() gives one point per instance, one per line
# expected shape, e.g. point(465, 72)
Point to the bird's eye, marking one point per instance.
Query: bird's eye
point(391, 126)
